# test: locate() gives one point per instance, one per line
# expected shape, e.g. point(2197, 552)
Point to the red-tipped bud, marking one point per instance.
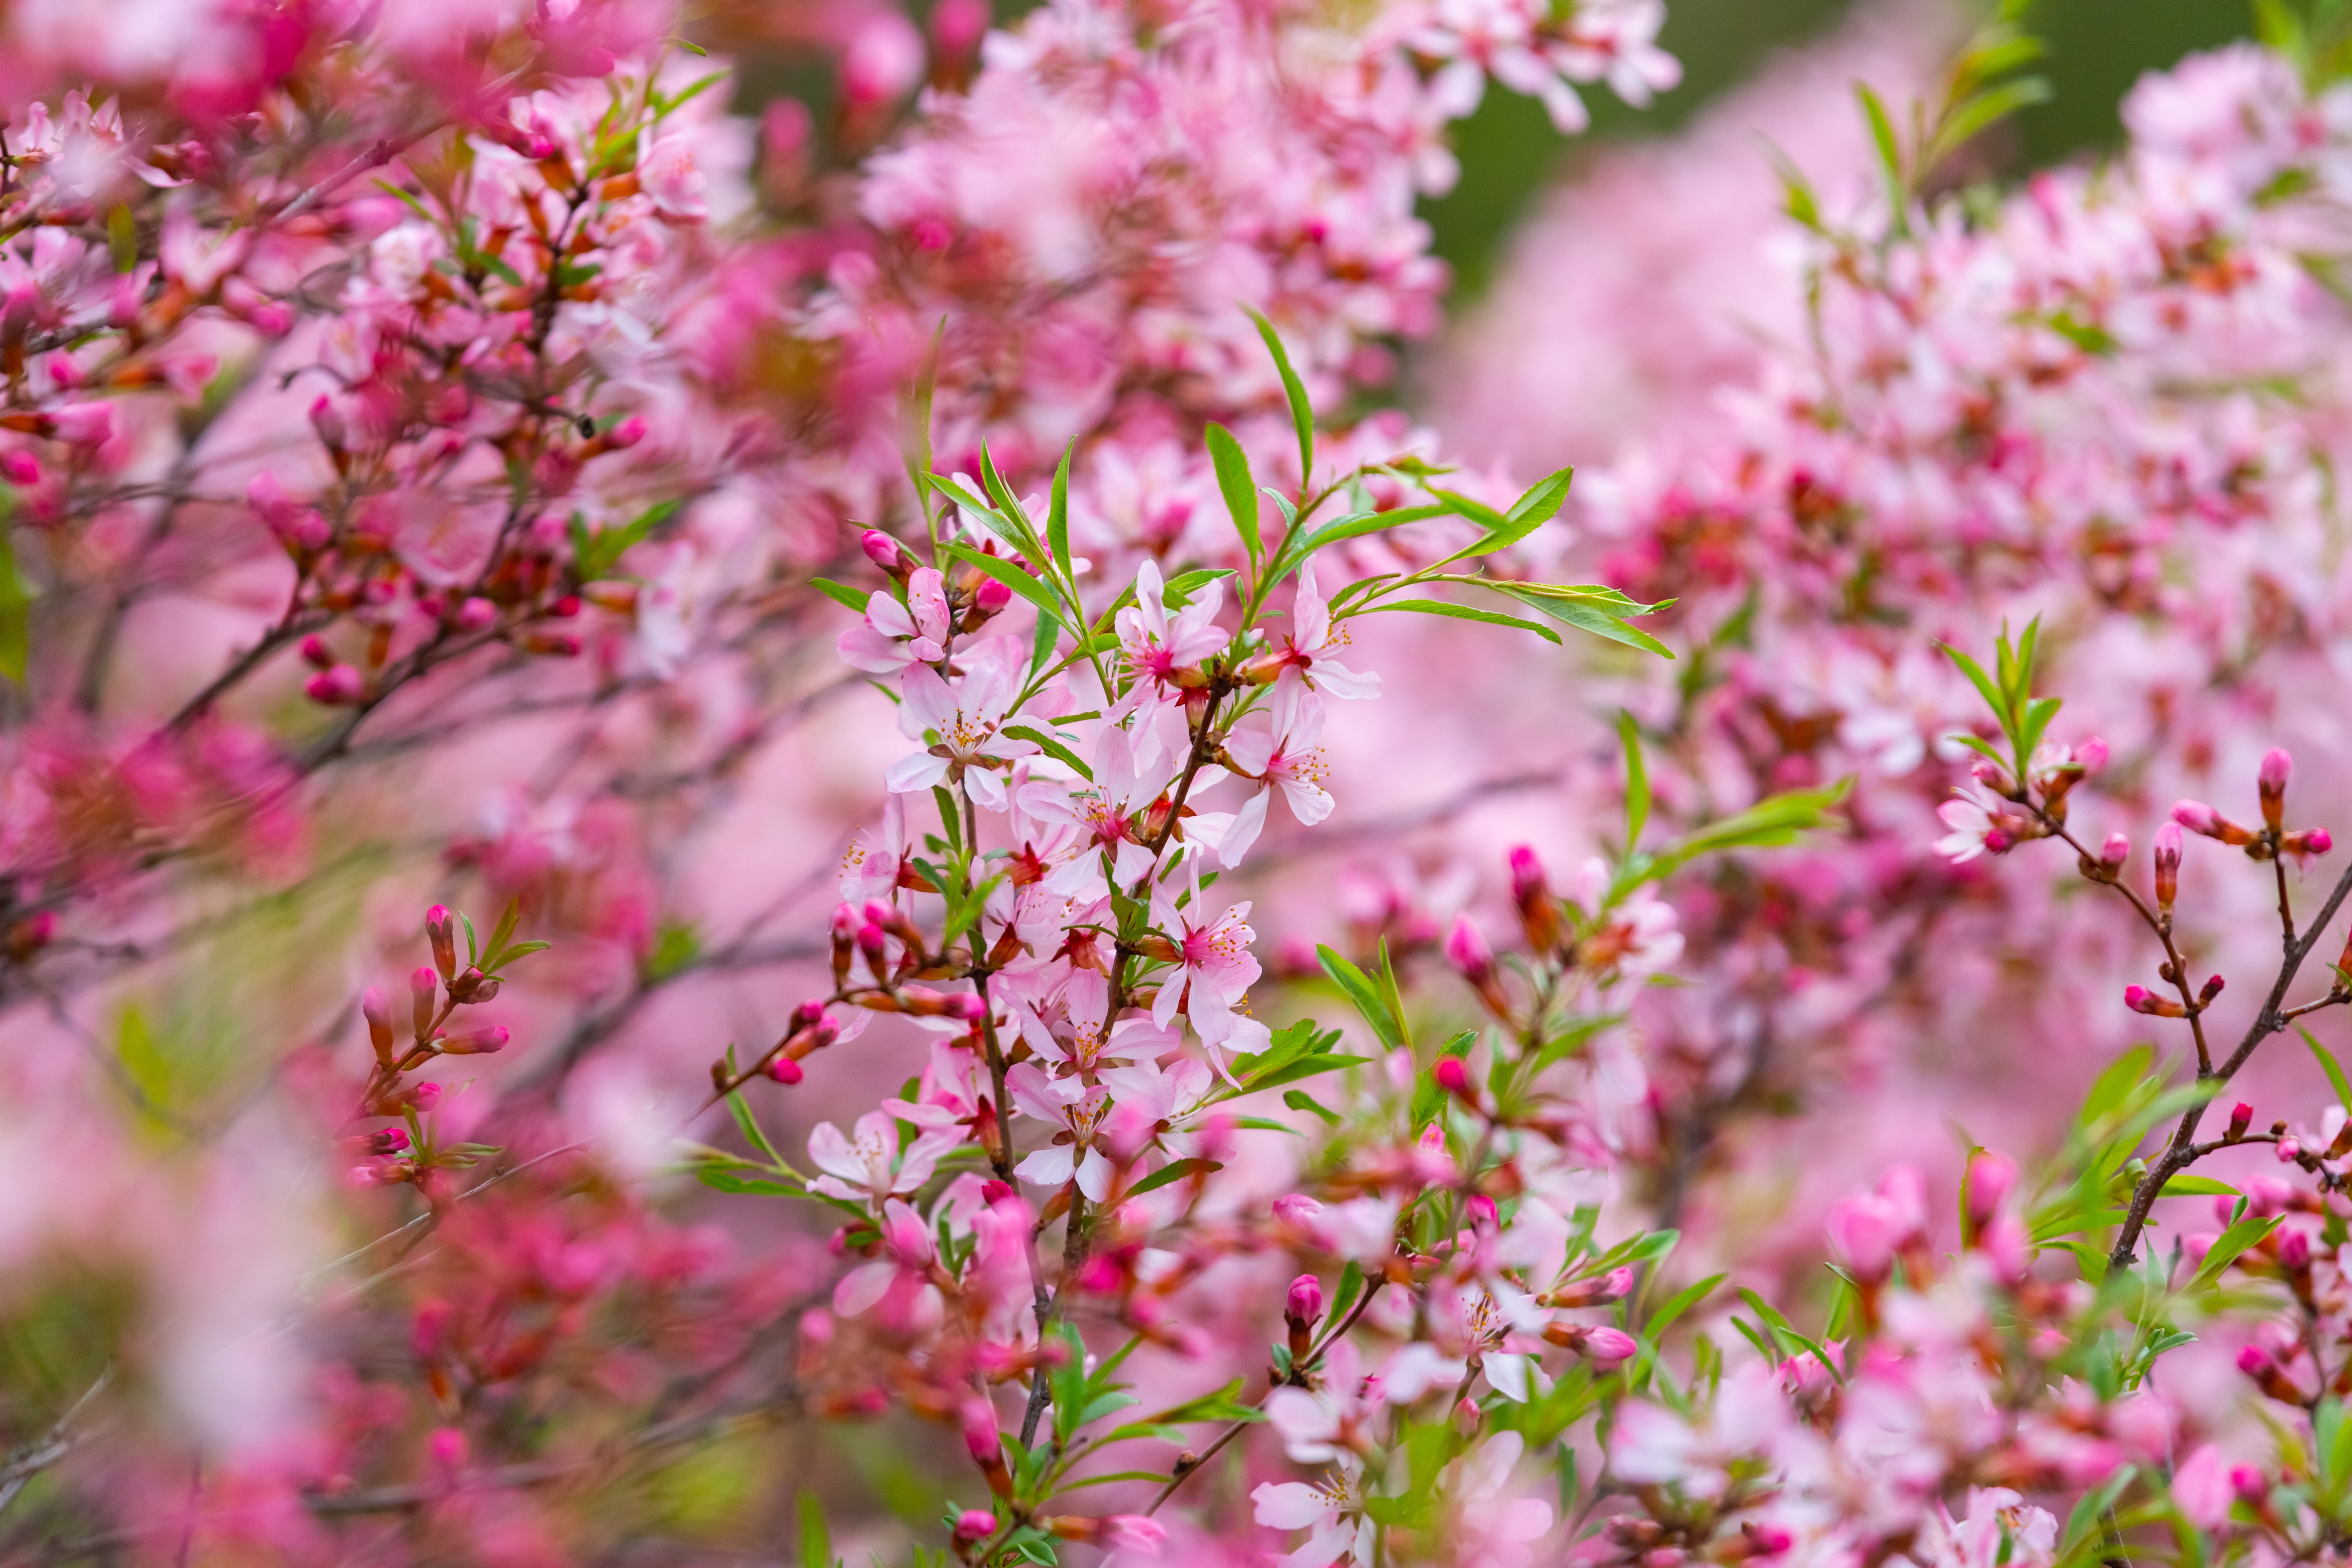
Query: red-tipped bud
point(423, 991)
point(975, 1525)
point(476, 615)
point(336, 688)
point(20, 468)
point(884, 552)
point(378, 1013)
point(626, 435)
point(2242, 1116)
point(329, 424)
point(1991, 1177)
point(2295, 1250)
point(2200, 818)
point(441, 930)
point(785, 1070)
point(2114, 852)
point(992, 596)
point(2271, 781)
point(1466, 949)
point(1305, 1302)
point(2308, 841)
point(1538, 915)
point(316, 653)
point(2211, 989)
point(2140, 999)
point(479, 1042)
point(1603, 1346)
point(2287, 1150)
point(1467, 1416)
point(1452, 1074)
point(2167, 864)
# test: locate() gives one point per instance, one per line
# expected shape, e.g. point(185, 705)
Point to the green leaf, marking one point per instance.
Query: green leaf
point(2185, 1185)
point(1367, 998)
point(1240, 489)
point(1300, 1100)
point(1178, 591)
point(1012, 576)
point(2328, 1065)
point(1052, 748)
point(1774, 821)
point(2226, 1247)
point(1780, 1325)
point(749, 1125)
point(816, 1542)
point(2090, 1510)
point(1544, 499)
point(1355, 525)
point(1344, 1294)
point(1174, 1170)
point(604, 549)
point(1588, 614)
point(1882, 135)
point(1461, 612)
point(1057, 515)
point(1637, 779)
point(16, 612)
point(841, 594)
point(1302, 413)
point(727, 1180)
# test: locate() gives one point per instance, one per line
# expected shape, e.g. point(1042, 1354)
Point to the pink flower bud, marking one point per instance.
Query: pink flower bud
point(335, 688)
point(84, 424)
point(479, 1042)
point(2309, 841)
point(2295, 1250)
point(2115, 851)
point(1452, 1075)
point(992, 596)
point(448, 1447)
point(441, 931)
point(2287, 1150)
point(1991, 1179)
point(957, 26)
point(1864, 1230)
point(378, 1013)
point(785, 1070)
point(2255, 1361)
point(975, 1525)
point(476, 615)
point(1526, 872)
point(1607, 1346)
point(1304, 1304)
point(1466, 949)
point(2271, 782)
point(2248, 1482)
point(329, 422)
point(2200, 818)
point(2140, 999)
point(2092, 754)
point(424, 994)
point(977, 1419)
point(2242, 1116)
point(2167, 864)
point(626, 434)
point(884, 60)
point(20, 468)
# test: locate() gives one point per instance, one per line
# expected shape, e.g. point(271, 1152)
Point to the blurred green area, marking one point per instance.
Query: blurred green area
point(1509, 151)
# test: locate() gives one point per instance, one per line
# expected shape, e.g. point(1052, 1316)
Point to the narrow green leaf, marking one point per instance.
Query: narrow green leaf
point(1302, 413)
point(1300, 1100)
point(1586, 615)
point(1240, 489)
point(1360, 991)
point(1637, 779)
point(1461, 612)
point(2328, 1065)
point(1174, 1170)
point(1057, 516)
point(816, 1542)
point(1052, 748)
point(841, 594)
point(1012, 576)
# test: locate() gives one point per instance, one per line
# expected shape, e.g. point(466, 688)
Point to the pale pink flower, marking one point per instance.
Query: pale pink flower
point(960, 724)
point(1212, 975)
point(869, 1167)
point(893, 635)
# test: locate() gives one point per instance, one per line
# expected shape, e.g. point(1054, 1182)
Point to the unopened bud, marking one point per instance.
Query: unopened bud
point(480, 1042)
point(1991, 1177)
point(2308, 841)
point(2271, 782)
point(423, 991)
point(1467, 1416)
point(441, 930)
point(2200, 818)
point(785, 1070)
point(1305, 1302)
point(2114, 852)
point(378, 1015)
point(975, 1525)
point(2167, 864)
point(329, 424)
point(884, 552)
point(2242, 1116)
point(1538, 916)
point(2288, 1151)
point(1452, 1074)
point(335, 688)
point(2140, 999)
point(2213, 988)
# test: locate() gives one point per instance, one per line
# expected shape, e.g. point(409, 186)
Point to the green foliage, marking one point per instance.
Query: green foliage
point(2009, 692)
